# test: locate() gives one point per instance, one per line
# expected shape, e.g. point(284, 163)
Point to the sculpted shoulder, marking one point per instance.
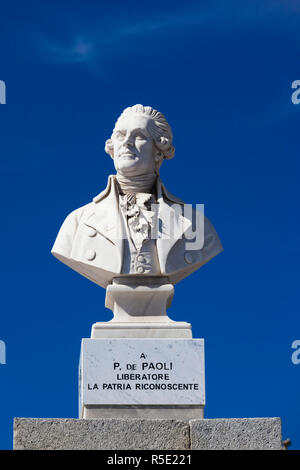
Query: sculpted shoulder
point(63, 244)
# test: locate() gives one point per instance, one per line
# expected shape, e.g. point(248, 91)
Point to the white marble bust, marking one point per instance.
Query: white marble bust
point(112, 236)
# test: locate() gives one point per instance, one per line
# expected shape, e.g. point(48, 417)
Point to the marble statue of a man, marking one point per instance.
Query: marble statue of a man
point(135, 227)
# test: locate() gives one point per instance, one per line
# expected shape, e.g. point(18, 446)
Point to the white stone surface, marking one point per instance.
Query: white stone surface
point(178, 329)
point(128, 372)
point(92, 239)
point(182, 412)
point(140, 311)
point(139, 303)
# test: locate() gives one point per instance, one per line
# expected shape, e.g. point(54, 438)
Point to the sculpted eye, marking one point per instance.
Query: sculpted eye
point(120, 135)
point(140, 136)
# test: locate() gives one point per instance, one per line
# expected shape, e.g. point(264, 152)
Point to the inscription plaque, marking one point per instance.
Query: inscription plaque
point(142, 372)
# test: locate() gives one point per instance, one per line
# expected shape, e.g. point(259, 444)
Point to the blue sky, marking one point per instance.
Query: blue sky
point(221, 72)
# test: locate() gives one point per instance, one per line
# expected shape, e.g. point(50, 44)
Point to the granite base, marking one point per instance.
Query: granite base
point(147, 434)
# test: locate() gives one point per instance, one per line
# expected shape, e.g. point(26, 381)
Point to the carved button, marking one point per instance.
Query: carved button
point(188, 257)
point(91, 231)
point(90, 255)
point(141, 258)
point(140, 269)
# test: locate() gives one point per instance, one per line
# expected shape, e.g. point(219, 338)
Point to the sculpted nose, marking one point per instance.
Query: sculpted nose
point(128, 140)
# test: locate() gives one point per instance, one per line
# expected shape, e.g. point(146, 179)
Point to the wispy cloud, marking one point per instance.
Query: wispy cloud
point(89, 45)
point(78, 50)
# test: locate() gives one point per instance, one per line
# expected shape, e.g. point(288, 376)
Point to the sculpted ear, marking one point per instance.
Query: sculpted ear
point(159, 158)
point(109, 148)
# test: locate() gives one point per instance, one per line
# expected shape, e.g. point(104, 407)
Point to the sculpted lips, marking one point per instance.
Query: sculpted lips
point(127, 154)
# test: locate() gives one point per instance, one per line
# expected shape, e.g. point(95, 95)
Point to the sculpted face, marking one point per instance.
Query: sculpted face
point(134, 150)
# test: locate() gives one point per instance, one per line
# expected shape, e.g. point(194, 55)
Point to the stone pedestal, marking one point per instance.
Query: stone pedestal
point(139, 302)
point(167, 329)
point(148, 378)
point(141, 380)
point(139, 309)
point(147, 434)
point(141, 333)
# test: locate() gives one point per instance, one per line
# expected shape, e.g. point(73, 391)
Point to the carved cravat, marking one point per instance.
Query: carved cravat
point(137, 209)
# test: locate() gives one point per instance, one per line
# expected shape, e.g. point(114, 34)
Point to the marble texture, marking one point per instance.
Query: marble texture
point(139, 303)
point(142, 372)
point(100, 257)
point(140, 311)
point(178, 412)
point(94, 239)
point(163, 330)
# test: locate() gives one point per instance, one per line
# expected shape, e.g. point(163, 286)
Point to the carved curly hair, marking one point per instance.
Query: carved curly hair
point(159, 130)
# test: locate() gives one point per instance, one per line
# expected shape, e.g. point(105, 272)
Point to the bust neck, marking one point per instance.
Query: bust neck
point(137, 183)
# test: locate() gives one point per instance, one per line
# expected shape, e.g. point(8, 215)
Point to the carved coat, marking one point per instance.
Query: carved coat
point(91, 239)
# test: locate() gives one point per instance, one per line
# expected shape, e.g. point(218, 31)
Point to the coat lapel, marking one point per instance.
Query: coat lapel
point(171, 223)
point(107, 219)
